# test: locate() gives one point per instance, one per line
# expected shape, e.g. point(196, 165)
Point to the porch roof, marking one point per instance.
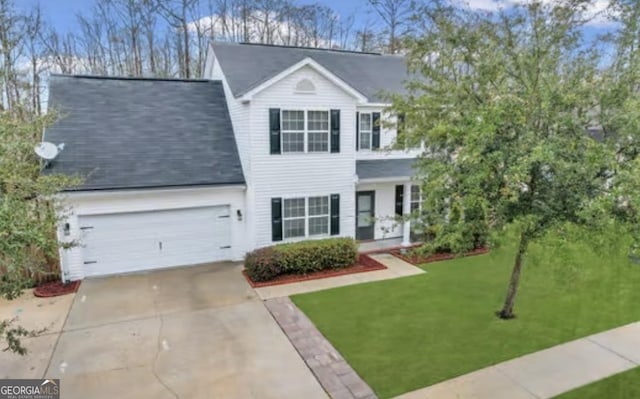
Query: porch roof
point(385, 168)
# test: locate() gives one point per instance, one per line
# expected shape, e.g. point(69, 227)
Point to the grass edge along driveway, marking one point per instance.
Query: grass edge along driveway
point(409, 333)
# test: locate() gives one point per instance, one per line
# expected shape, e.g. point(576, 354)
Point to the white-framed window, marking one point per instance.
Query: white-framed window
point(305, 217)
point(416, 198)
point(318, 216)
point(294, 217)
point(318, 131)
point(305, 131)
point(293, 131)
point(366, 129)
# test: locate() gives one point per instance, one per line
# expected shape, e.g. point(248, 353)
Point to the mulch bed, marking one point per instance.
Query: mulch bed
point(56, 288)
point(365, 264)
point(416, 259)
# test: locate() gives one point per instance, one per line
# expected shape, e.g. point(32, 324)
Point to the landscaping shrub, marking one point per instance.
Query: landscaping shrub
point(300, 258)
point(262, 264)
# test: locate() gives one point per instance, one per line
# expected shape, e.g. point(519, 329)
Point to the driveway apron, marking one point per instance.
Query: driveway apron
point(192, 332)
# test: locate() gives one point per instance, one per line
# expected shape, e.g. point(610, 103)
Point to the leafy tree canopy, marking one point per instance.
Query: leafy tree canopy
point(29, 212)
point(522, 126)
point(27, 202)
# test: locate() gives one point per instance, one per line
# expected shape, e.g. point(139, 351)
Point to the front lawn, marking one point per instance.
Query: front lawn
point(620, 386)
point(409, 333)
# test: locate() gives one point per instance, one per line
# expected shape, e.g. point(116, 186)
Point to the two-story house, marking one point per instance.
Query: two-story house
point(277, 144)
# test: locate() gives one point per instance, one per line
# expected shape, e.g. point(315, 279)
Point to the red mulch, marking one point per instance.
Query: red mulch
point(365, 264)
point(56, 288)
point(416, 259)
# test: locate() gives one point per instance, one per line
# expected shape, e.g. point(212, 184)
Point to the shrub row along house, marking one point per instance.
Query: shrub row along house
point(276, 144)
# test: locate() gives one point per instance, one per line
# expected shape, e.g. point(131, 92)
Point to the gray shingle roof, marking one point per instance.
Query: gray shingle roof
point(246, 66)
point(139, 133)
point(385, 168)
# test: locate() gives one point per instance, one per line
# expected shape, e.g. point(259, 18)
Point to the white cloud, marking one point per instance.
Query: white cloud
point(596, 10)
point(487, 5)
point(280, 32)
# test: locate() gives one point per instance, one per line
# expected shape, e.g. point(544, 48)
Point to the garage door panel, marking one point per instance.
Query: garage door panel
point(147, 240)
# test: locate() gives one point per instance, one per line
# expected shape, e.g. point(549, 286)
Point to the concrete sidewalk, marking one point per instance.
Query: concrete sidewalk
point(547, 373)
point(395, 268)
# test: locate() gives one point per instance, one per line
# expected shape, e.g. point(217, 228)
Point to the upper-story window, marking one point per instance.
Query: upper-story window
point(305, 131)
point(365, 131)
point(293, 131)
point(318, 131)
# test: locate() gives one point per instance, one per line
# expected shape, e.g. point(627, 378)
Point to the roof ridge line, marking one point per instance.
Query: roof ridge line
point(324, 49)
point(140, 78)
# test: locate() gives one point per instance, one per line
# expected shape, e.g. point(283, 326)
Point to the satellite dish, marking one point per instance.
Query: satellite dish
point(48, 151)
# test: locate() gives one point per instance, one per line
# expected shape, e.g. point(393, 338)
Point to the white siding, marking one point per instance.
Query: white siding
point(302, 175)
point(239, 114)
point(101, 203)
point(292, 175)
point(385, 210)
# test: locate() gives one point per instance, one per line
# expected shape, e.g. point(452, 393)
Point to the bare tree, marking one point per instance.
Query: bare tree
point(396, 15)
point(33, 29)
point(11, 36)
point(345, 31)
point(176, 13)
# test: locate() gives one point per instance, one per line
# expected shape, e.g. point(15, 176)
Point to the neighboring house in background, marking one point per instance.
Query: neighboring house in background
point(279, 144)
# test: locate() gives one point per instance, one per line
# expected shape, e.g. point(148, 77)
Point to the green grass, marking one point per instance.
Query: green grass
point(620, 386)
point(412, 332)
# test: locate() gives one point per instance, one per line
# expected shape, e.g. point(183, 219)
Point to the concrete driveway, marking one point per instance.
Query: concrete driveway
point(193, 332)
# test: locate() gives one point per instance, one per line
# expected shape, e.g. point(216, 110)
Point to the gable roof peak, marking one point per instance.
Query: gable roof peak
point(248, 66)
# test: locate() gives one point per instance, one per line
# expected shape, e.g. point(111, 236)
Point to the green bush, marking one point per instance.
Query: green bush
point(300, 258)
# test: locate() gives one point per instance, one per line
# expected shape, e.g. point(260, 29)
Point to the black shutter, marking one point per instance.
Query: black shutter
point(276, 219)
point(375, 137)
point(335, 130)
point(274, 130)
point(400, 127)
point(335, 214)
point(399, 199)
point(357, 131)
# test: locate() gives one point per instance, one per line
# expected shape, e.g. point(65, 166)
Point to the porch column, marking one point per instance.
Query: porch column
point(406, 210)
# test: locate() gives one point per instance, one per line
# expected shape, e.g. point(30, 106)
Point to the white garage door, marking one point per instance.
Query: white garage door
point(129, 242)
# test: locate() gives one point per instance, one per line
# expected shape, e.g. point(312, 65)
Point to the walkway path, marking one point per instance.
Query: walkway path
point(332, 371)
point(547, 373)
point(395, 268)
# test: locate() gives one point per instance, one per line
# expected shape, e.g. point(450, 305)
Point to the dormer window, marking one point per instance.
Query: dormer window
point(305, 86)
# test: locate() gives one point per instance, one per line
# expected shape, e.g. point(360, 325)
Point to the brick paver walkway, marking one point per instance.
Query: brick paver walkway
point(332, 371)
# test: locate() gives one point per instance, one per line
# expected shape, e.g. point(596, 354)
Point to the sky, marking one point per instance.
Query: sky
point(62, 13)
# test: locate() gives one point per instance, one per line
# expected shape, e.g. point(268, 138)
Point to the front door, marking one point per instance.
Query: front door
point(365, 214)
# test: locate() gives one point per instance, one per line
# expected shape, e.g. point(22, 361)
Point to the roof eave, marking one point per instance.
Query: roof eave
point(239, 184)
point(393, 179)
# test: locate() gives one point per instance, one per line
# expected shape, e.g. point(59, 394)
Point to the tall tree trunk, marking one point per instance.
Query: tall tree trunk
point(507, 309)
